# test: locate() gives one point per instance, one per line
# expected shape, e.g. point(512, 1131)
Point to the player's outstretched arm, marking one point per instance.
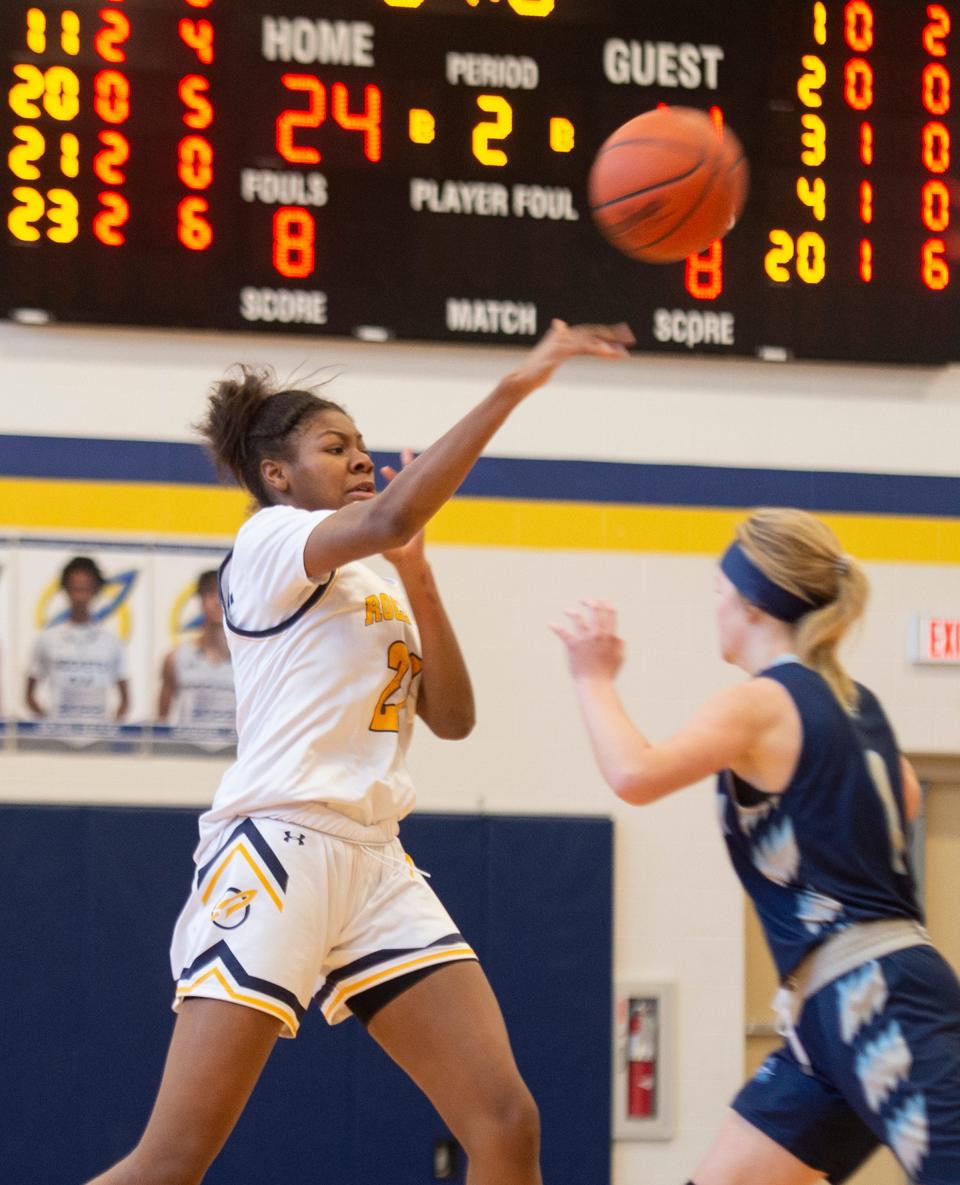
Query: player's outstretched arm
point(395, 516)
point(723, 733)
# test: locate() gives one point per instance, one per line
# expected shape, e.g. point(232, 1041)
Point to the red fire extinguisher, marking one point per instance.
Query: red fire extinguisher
point(641, 1060)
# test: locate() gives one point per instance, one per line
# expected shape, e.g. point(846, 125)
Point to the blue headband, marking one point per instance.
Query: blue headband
point(759, 589)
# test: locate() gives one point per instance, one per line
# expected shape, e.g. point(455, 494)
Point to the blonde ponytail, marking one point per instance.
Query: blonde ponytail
point(801, 554)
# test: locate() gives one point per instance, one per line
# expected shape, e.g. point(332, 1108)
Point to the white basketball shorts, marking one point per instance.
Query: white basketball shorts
point(282, 914)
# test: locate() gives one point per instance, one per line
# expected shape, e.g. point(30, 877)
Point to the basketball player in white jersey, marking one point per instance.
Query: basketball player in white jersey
point(79, 660)
point(302, 889)
point(196, 685)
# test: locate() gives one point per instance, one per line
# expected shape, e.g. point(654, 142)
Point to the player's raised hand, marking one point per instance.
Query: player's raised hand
point(563, 341)
point(594, 648)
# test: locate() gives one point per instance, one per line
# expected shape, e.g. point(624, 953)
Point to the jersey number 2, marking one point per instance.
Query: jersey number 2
point(386, 715)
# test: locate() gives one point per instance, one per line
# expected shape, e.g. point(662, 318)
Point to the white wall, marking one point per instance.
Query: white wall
point(678, 910)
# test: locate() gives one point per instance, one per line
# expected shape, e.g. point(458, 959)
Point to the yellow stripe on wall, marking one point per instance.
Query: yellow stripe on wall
point(675, 530)
point(142, 507)
point(209, 512)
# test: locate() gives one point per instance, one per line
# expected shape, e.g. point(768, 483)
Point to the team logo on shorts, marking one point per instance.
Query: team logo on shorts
point(234, 909)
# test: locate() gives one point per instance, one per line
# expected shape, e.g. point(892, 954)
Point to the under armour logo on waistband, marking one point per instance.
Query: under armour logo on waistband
point(289, 837)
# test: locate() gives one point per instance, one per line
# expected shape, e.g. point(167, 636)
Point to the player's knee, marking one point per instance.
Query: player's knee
point(511, 1123)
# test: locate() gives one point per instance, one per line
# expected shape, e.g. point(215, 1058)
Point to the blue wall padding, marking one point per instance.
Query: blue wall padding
point(91, 894)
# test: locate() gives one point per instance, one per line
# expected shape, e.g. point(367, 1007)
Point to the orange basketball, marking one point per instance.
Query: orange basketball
point(667, 183)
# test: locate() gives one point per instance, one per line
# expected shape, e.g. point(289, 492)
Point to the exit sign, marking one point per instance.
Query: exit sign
point(936, 640)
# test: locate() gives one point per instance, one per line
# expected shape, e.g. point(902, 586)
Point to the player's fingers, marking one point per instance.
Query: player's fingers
point(388, 472)
point(406, 456)
point(604, 615)
point(576, 621)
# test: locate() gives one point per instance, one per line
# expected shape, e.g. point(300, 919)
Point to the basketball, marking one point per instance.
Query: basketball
point(667, 183)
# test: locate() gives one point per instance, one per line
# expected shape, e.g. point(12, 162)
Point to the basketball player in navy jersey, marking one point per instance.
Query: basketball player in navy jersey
point(815, 801)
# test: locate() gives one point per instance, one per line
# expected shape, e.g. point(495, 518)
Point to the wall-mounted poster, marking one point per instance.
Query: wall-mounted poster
point(194, 696)
point(83, 646)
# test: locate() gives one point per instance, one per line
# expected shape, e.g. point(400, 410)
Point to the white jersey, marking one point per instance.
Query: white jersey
point(326, 683)
point(204, 689)
point(79, 663)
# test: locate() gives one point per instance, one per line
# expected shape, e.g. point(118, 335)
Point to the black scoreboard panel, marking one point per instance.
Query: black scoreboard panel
point(416, 169)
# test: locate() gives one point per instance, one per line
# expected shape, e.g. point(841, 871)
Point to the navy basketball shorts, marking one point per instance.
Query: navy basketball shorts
point(884, 1047)
point(282, 915)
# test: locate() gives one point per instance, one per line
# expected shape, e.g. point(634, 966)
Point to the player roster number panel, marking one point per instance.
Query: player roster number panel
point(416, 169)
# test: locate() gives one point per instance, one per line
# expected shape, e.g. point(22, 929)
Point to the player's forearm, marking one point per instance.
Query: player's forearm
point(446, 700)
point(618, 745)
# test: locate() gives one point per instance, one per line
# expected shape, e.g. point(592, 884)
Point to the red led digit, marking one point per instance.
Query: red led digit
point(108, 161)
point(289, 120)
point(704, 272)
point(866, 260)
point(717, 116)
point(199, 36)
point(294, 235)
point(858, 84)
point(866, 143)
point(193, 91)
point(935, 206)
point(111, 99)
point(193, 230)
point(109, 40)
point(114, 215)
point(936, 88)
point(366, 121)
point(195, 162)
point(936, 147)
point(934, 270)
point(866, 201)
point(199, 3)
point(858, 26)
point(936, 30)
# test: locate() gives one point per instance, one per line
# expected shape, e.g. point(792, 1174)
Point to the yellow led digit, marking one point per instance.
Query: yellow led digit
point(23, 93)
point(496, 129)
point(423, 127)
point(21, 157)
point(776, 259)
point(70, 33)
point(813, 194)
point(62, 211)
point(533, 7)
point(561, 134)
point(21, 218)
point(813, 139)
point(820, 23)
point(811, 257)
point(61, 97)
point(809, 83)
point(69, 155)
point(403, 3)
point(36, 30)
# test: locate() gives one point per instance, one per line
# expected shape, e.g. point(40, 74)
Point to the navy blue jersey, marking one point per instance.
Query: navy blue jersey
point(831, 849)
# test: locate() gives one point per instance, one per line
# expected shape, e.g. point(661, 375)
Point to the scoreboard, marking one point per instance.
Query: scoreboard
point(416, 169)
